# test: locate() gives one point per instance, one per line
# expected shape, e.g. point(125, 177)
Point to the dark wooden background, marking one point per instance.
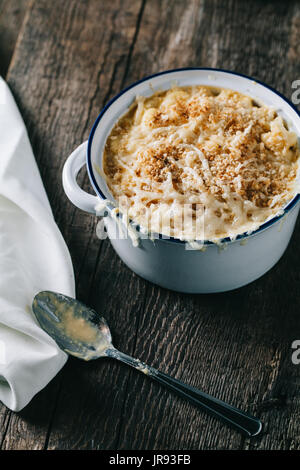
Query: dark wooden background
point(63, 60)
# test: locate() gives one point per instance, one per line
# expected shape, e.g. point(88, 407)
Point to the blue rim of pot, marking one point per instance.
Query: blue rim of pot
point(102, 196)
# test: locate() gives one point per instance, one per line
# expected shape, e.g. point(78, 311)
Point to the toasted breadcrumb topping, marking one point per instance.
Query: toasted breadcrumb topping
point(201, 163)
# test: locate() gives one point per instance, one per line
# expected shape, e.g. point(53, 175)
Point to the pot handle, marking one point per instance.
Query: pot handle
point(85, 201)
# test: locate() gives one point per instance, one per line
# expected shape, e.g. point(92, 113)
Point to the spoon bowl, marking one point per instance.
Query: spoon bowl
point(77, 329)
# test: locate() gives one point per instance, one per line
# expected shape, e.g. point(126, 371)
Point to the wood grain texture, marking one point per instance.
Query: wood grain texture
point(12, 14)
point(71, 58)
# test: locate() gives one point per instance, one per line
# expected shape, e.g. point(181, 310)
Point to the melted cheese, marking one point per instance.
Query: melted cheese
point(198, 163)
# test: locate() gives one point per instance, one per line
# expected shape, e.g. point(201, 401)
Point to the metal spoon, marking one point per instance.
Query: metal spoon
point(82, 332)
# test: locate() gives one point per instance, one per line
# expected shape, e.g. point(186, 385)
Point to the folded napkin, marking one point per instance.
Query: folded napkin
point(33, 257)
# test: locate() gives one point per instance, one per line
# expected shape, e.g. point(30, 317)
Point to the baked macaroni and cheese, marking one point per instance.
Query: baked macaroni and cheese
point(201, 163)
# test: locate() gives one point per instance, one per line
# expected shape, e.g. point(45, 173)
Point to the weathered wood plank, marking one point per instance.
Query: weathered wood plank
point(236, 345)
point(72, 57)
point(12, 14)
point(5, 416)
point(70, 60)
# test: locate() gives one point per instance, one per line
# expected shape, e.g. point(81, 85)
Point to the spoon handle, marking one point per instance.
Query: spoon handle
point(243, 422)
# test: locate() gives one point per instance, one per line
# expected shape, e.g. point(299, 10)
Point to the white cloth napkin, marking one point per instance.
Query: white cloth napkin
point(33, 257)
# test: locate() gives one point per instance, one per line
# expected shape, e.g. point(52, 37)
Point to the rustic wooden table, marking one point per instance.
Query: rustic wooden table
point(63, 61)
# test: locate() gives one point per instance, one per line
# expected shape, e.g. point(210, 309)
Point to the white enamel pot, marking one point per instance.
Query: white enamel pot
point(167, 262)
